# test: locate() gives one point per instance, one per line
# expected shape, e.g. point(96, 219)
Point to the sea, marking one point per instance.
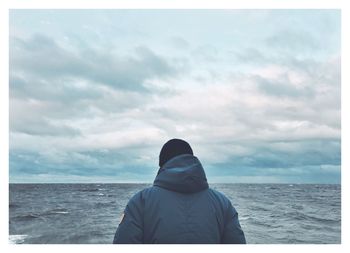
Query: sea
point(90, 213)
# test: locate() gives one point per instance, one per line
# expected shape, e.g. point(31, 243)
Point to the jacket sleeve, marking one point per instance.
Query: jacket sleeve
point(233, 232)
point(130, 229)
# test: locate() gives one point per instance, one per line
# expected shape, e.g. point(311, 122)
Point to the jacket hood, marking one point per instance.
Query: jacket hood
point(183, 173)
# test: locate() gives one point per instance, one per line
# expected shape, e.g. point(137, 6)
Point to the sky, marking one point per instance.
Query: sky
point(94, 94)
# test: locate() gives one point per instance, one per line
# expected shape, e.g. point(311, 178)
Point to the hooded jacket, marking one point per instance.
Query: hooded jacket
point(180, 208)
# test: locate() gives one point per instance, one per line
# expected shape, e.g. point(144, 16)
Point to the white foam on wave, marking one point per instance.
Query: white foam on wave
point(244, 218)
point(16, 239)
point(61, 212)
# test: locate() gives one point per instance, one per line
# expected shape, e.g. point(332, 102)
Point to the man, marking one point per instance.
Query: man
point(179, 207)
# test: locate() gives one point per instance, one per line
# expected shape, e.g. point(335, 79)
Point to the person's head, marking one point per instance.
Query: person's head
point(172, 148)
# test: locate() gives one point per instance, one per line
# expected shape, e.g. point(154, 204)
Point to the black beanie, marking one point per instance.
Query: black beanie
point(172, 148)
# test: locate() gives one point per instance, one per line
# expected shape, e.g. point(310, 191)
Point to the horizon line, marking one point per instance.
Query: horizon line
point(290, 183)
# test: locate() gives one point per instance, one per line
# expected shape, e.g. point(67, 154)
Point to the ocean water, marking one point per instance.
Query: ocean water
point(90, 213)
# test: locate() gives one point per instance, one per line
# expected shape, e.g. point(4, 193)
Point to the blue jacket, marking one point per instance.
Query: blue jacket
point(180, 208)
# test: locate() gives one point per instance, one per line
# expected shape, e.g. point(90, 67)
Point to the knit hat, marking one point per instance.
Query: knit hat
point(172, 148)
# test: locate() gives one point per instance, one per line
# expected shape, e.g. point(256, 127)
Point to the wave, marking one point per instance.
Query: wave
point(17, 239)
point(13, 205)
point(29, 216)
point(272, 187)
point(90, 190)
point(244, 218)
point(260, 208)
point(105, 204)
point(56, 211)
point(308, 217)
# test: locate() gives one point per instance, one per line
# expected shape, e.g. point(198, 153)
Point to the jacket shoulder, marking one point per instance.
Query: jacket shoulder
point(221, 199)
point(143, 194)
point(218, 195)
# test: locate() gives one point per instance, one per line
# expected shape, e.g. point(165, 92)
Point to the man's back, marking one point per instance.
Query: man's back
point(180, 208)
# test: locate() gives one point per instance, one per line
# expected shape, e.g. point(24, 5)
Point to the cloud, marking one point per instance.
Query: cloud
point(49, 84)
point(43, 57)
point(104, 164)
point(282, 88)
point(291, 40)
point(179, 43)
point(250, 112)
point(35, 118)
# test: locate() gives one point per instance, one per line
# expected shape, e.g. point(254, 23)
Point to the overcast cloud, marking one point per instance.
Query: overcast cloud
point(95, 94)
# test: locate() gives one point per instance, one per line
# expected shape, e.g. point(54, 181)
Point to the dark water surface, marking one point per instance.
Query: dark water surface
point(90, 213)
